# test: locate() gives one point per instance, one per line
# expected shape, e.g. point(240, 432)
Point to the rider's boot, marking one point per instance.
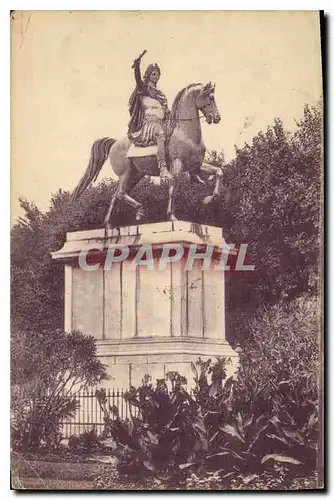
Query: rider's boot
point(164, 172)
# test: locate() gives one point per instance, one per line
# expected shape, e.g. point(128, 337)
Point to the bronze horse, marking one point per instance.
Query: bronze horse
point(185, 148)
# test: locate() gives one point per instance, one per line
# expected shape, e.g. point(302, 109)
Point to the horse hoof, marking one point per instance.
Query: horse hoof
point(173, 218)
point(139, 215)
point(207, 200)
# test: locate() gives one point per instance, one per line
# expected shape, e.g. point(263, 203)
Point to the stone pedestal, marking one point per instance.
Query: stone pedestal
point(147, 320)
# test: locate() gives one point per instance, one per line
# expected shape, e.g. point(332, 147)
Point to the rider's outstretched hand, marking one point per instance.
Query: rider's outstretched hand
point(137, 61)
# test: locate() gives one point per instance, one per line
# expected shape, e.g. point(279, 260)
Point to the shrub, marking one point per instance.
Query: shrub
point(280, 373)
point(284, 344)
point(48, 370)
point(86, 443)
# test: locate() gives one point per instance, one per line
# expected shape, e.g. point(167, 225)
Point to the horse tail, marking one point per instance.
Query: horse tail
point(99, 154)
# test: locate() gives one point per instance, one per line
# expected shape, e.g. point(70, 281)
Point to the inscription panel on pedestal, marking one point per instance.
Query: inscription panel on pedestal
point(87, 301)
point(154, 302)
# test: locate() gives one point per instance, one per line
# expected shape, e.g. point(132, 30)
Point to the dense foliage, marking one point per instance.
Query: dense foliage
point(86, 443)
point(48, 369)
point(284, 345)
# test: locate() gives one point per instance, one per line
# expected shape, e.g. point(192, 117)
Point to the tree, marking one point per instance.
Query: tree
point(48, 369)
point(276, 208)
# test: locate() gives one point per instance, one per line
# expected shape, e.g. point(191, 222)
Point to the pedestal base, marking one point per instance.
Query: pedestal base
point(127, 362)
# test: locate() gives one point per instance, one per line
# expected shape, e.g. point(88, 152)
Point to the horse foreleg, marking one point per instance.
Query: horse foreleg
point(171, 201)
point(218, 173)
point(176, 171)
point(133, 203)
point(111, 209)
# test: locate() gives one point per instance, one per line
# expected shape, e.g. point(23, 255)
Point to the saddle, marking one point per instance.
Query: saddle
point(140, 151)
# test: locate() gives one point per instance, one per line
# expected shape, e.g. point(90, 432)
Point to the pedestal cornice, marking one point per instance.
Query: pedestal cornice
point(156, 234)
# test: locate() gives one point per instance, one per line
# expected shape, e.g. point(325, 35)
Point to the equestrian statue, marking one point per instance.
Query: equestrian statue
point(159, 142)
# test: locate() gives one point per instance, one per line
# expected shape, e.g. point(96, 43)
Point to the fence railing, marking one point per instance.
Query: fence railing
point(89, 413)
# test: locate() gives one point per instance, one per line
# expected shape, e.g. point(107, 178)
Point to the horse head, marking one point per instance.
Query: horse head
point(206, 103)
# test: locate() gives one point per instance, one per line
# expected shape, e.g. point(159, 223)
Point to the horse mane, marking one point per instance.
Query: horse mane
point(177, 100)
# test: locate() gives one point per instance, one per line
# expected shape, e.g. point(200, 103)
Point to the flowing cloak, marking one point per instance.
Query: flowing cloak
point(135, 107)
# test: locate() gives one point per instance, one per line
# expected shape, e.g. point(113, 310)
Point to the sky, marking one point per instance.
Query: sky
point(71, 79)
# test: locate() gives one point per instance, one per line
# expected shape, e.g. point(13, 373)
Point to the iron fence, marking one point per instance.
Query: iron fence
point(89, 414)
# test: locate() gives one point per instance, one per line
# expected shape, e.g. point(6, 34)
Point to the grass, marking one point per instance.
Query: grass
point(46, 473)
point(30, 483)
point(52, 472)
point(56, 472)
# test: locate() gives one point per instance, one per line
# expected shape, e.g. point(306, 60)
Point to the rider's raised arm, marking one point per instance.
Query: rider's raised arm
point(138, 78)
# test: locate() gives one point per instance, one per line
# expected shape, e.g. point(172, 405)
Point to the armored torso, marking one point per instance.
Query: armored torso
point(152, 107)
